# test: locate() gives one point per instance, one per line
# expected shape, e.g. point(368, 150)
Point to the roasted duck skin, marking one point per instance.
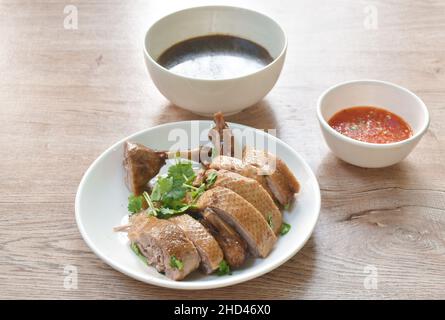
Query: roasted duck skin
point(280, 180)
point(208, 248)
point(242, 216)
point(271, 172)
point(142, 164)
point(238, 166)
point(253, 192)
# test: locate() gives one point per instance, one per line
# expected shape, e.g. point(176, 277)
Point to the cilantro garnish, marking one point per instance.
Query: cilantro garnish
point(171, 190)
point(285, 227)
point(197, 191)
point(151, 208)
point(211, 178)
point(223, 268)
point(176, 263)
point(138, 252)
point(173, 193)
point(181, 172)
point(162, 186)
point(269, 221)
point(134, 203)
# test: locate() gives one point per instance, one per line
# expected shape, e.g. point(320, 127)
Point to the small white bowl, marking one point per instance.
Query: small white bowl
point(381, 94)
point(204, 96)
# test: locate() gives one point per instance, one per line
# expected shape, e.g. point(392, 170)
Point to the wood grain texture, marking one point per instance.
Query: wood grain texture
point(66, 95)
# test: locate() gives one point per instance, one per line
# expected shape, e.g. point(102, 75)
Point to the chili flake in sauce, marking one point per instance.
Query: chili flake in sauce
point(371, 124)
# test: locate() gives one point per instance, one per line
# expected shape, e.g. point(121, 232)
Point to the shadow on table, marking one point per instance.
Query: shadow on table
point(260, 115)
point(400, 174)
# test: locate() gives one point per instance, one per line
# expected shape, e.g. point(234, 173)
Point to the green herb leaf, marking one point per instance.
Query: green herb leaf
point(287, 206)
point(181, 173)
point(223, 268)
point(190, 186)
point(151, 208)
point(197, 193)
point(211, 178)
point(285, 227)
point(163, 185)
point(176, 263)
point(269, 221)
point(177, 193)
point(169, 192)
point(138, 252)
point(165, 213)
point(134, 203)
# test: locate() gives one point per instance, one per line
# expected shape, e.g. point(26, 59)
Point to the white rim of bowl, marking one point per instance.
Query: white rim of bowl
point(190, 285)
point(282, 52)
point(337, 134)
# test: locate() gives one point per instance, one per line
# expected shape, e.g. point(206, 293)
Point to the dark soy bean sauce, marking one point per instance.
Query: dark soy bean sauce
point(215, 57)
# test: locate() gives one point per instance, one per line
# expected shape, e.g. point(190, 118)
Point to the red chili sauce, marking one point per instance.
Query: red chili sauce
point(370, 124)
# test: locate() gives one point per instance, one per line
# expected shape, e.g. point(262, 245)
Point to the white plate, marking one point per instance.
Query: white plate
point(101, 204)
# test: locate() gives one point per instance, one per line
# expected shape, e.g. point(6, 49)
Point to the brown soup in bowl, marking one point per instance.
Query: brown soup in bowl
point(215, 57)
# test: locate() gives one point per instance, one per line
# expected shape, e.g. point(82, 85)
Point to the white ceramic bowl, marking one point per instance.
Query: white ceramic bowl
point(372, 93)
point(206, 97)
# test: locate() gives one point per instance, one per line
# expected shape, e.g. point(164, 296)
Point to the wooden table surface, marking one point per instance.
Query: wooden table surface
point(66, 95)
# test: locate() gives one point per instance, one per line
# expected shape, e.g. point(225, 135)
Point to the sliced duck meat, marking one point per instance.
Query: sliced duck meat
point(231, 243)
point(280, 180)
point(141, 165)
point(279, 186)
point(164, 244)
point(221, 136)
point(272, 173)
point(242, 216)
point(253, 192)
point(237, 165)
point(233, 164)
point(209, 250)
